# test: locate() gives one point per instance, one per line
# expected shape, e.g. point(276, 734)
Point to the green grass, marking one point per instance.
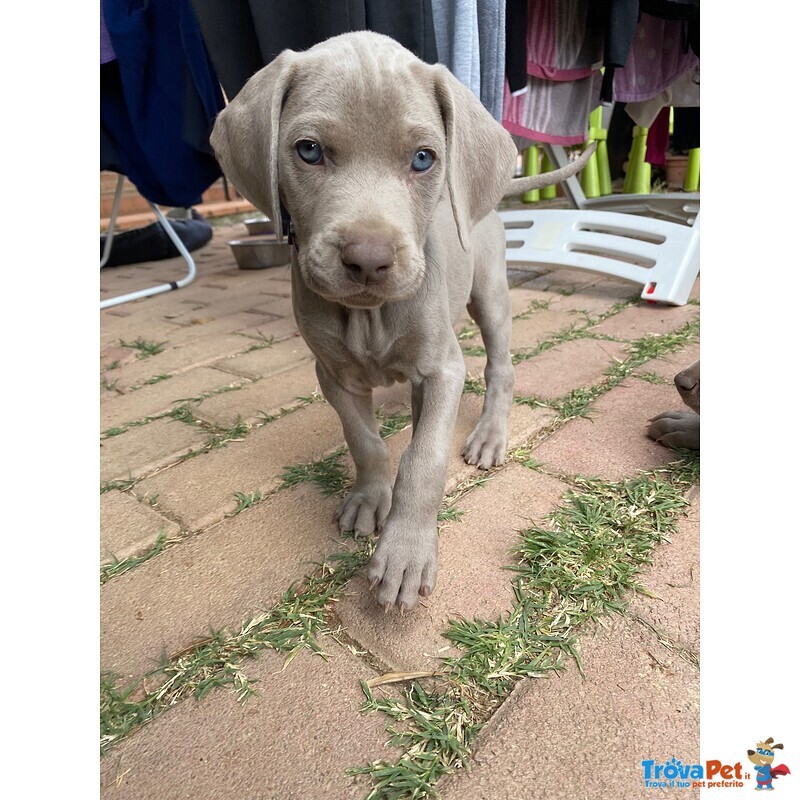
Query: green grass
point(145, 349)
point(293, 624)
point(328, 474)
point(583, 563)
point(116, 567)
point(246, 500)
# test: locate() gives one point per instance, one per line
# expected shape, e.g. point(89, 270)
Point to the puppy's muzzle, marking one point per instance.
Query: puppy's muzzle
point(368, 259)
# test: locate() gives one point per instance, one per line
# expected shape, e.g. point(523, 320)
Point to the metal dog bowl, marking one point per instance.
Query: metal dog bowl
point(259, 226)
point(260, 253)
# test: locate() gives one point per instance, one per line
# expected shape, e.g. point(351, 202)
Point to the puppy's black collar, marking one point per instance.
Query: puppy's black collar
point(288, 226)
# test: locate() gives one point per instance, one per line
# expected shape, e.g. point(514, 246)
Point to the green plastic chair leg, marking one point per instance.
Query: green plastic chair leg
point(531, 167)
point(590, 177)
point(637, 178)
point(548, 192)
point(692, 181)
point(603, 167)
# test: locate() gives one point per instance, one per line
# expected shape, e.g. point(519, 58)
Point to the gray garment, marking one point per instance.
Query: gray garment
point(470, 40)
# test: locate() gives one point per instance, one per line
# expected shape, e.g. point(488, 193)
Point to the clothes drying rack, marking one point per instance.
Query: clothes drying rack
point(174, 238)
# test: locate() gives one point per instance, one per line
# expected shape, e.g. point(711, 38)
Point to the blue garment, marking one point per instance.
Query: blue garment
point(764, 773)
point(158, 101)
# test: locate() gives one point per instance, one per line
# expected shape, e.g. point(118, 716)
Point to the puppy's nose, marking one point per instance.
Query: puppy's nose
point(368, 259)
point(685, 382)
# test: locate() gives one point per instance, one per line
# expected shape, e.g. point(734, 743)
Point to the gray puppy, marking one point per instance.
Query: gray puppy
point(389, 170)
point(681, 428)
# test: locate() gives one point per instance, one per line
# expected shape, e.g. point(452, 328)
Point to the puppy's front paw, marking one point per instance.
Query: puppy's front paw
point(404, 564)
point(486, 445)
point(676, 429)
point(364, 509)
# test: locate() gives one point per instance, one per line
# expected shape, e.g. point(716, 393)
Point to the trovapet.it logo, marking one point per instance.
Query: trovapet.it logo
point(715, 774)
point(674, 774)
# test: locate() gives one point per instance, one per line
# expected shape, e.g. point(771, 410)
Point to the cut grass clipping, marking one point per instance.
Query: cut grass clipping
point(582, 564)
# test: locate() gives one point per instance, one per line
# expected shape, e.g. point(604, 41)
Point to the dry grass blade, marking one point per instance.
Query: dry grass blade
point(399, 677)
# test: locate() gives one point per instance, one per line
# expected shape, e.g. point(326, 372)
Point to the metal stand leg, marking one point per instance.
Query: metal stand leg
point(174, 238)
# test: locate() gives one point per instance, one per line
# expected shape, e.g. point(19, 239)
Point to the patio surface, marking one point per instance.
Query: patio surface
point(221, 466)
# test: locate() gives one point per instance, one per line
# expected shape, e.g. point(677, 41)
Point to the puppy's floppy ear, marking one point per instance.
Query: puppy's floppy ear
point(480, 154)
point(245, 137)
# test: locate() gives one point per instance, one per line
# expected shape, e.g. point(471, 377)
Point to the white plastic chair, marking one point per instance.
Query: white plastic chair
point(662, 256)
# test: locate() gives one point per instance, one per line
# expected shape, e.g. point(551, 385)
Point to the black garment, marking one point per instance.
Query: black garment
point(618, 20)
point(686, 129)
point(244, 35)
point(152, 243)
point(517, 44)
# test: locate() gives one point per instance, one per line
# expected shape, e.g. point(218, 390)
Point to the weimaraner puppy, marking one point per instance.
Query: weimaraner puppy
point(681, 428)
point(386, 170)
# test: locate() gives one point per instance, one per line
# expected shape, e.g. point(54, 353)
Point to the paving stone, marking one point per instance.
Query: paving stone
point(612, 443)
point(572, 737)
point(562, 281)
point(180, 357)
point(595, 299)
point(162, 396)
point(200, 491)
point(130, 328)
point(472, 581)
point(217, 579)
point(266, 396)
point(145, 448)
point(235, 322)
point(542, 324)
point(556, 372)
point(669, 366)
point(269, 360)
point(293, 740)
point(675, 578)
point(279, 329)
point(522, 298)
point(636, 321)
point(128, 527)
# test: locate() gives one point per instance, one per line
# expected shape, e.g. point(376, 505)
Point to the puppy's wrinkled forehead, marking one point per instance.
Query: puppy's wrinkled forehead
point(368, 83)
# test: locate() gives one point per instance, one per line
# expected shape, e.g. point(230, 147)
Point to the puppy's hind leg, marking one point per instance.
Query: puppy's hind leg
point(490, 307)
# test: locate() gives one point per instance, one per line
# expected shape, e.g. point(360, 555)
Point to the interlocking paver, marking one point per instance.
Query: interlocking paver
point(293, 740)
point(266, 396)
point(144, 448)
point(217, 579)
point(636, 321)
point(540, 325)
point(201, 490)
point(573, 737)
point(640, 693)
point(612, 442)
point(555, 372)
point(179, 357)
point(268, 360)
point(129, 527)
point(162, 396)
point(674, 578)
point(472, 581)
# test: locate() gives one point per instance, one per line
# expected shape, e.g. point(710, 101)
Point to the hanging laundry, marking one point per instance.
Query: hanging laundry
point(564, 55)
point(659, 55)
point(243, 36)
point(158, 101)
point(470, 42)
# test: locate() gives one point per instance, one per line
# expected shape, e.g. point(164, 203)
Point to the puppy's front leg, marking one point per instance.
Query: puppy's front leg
point(405, 561)
point(365, 507)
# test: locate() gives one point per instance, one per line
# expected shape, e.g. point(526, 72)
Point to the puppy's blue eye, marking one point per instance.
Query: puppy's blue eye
point(423, 160)
point(309, 151)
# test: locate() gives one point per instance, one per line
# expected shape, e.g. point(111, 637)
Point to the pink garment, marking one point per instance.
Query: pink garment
point(658, 139)
point(560, 48)
point(658, 56)
point(563, 62)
